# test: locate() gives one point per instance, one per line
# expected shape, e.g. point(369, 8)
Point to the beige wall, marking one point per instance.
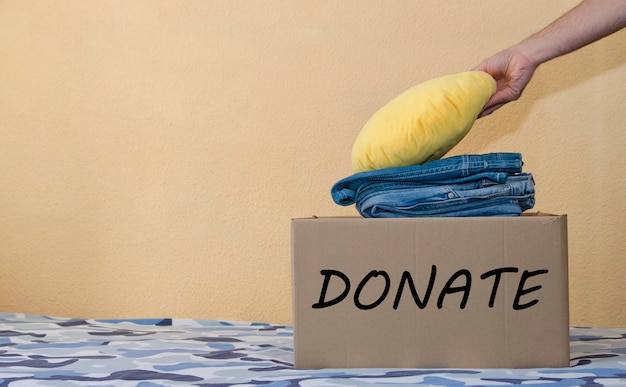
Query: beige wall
point(153, 152)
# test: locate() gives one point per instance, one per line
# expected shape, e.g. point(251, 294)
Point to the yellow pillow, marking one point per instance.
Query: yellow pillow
point(423, 123)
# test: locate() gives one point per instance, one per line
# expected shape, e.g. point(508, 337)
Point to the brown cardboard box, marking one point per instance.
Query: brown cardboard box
point(489, 292)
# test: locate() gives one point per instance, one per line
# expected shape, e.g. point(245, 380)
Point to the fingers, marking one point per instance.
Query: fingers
point(499, 99)
point(488, 110)
point(512, 71)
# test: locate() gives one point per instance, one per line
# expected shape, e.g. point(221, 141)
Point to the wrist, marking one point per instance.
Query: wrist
point(534, 51)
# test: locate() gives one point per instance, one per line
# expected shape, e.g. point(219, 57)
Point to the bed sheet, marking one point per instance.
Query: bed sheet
point(48, 351)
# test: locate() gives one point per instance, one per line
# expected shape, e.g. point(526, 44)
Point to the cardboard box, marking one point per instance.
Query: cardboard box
point(486, 292)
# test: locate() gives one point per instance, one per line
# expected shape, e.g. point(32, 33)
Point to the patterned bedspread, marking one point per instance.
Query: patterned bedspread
point(38, 350)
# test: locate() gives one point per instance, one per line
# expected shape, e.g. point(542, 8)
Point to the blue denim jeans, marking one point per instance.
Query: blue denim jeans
point(466, 185)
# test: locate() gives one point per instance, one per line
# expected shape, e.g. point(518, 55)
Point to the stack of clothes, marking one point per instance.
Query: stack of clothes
point(398, 165)
point(466, 185)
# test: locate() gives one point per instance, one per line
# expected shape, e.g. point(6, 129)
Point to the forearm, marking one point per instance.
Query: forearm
point(591, 20)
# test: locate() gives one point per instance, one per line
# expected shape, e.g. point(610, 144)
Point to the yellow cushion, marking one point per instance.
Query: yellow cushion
point(423, 123)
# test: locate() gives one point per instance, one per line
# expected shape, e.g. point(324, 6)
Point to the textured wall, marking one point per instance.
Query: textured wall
point(152, 153)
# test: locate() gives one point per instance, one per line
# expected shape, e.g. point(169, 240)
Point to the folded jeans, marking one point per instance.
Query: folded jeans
point(466, 185)
point(349, 190)
point(476, 198)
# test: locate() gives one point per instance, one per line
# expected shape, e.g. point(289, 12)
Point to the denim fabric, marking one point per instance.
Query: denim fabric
point(482, 197)
point(466, 185)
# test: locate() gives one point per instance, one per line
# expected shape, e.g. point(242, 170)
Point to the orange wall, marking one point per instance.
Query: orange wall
point(153, 152)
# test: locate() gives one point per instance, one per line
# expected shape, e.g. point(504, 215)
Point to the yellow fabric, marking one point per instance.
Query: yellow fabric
point(423, 123)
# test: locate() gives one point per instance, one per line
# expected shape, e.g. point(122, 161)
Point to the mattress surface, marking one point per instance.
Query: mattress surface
point(40, 350)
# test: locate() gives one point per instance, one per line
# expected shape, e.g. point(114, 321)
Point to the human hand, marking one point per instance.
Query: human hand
point(512, 71)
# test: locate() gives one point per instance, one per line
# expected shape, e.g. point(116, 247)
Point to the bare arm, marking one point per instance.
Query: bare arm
point(513, 68)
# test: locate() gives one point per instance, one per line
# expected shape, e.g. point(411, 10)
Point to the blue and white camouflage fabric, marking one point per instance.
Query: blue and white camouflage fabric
point(46, 351)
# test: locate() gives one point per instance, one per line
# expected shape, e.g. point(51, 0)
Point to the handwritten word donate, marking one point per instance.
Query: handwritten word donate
point(459, 282)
